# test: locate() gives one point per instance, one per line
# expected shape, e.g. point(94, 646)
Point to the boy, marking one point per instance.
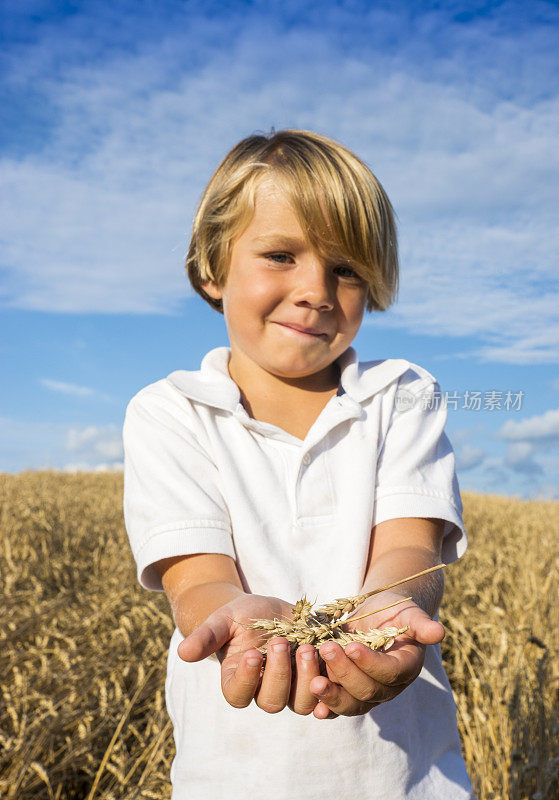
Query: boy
point(284, 467)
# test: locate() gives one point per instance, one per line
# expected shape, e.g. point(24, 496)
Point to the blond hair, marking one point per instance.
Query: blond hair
point(341, 207)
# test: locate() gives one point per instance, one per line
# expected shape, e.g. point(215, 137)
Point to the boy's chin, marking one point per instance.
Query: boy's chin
point(294, 373)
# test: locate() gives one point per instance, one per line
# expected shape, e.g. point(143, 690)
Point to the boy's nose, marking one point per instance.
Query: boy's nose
point(314, 287)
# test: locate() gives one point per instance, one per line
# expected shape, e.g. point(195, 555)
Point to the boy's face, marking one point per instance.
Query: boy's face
point(276, 283)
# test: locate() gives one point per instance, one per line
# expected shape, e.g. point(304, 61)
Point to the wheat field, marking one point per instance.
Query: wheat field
point(83, 647)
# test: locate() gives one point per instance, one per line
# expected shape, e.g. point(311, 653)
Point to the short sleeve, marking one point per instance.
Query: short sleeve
point(416, 474)
point(173, 503)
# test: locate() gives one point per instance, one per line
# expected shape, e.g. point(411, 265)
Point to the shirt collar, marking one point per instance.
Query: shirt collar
point(213, 385)
point(361, 380)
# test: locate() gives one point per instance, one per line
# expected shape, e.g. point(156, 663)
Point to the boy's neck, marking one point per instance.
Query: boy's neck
point(289, 403)
point(262, 381)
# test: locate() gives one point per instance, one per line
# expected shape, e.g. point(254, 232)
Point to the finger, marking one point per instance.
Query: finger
point(206, 639)
point(321, 711)
point(336, 699)
point(422, 628)
point(275, 687)
point(301, 699)
point(240, 675)
point(344, 672)
point(426, 630)
point(399, 667)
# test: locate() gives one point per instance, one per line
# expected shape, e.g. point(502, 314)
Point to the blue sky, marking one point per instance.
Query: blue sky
point(115, 115)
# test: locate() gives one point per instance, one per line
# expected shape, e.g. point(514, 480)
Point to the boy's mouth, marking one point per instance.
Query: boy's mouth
point(314, 332)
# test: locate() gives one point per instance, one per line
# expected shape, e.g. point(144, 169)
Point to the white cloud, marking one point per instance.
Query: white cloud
point(497, 476)
point(83, 466)
point(98, 219)
point(542, 428)
point(468, 457)
point(529, 444)
point(519, 457)
point(96, 442)
point(66, 388)
point(28, 444)
point(460, 281)
point(487, 463)
point(71, 389)
point(523, 471)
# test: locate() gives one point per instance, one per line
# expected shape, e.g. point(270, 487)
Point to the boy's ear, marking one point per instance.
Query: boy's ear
point(212, 289)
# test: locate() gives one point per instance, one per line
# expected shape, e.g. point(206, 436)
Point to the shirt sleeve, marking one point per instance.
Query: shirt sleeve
point(173, 504)
point(416, 474)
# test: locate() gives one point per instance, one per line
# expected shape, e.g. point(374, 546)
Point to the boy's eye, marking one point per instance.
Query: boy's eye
point(279, 258)
point(343, 270)
point(348, 272)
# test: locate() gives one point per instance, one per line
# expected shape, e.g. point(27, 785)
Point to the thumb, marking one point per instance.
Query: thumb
point(424, 629)
point(207, 639)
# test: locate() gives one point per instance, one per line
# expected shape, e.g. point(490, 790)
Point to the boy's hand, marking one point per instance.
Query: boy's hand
point(356, 685)
point(224, 633)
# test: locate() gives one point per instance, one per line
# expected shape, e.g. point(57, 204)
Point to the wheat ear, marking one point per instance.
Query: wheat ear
point(308, 627)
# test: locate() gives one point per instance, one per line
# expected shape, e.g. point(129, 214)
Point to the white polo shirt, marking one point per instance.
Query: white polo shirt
point(201, 476)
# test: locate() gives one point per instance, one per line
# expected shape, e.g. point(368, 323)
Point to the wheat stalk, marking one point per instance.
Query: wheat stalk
point(322, 625)
point(345, 605)
point(368, 614)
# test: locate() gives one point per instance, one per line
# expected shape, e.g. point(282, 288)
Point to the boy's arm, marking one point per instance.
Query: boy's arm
point(196, 585)
point(359, 679)
point(401, 547)
point(211, 610)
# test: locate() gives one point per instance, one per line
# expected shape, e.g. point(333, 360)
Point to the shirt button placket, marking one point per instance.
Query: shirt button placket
point(305, 461)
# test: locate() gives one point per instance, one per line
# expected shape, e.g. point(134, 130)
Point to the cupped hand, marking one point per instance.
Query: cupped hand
point(360, 678)
point(226, 634)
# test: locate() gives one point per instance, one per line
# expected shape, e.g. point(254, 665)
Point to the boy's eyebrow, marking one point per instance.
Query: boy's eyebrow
point(280, 241)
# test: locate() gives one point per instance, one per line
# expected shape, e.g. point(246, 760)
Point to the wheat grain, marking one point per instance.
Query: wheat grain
point(324, 626)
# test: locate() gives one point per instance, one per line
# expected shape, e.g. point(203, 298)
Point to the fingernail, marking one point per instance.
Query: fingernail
point(328, 654)
point(253, 661)
point(353, 654)
point(280, 647)
point(308, 655)
point(322, 692)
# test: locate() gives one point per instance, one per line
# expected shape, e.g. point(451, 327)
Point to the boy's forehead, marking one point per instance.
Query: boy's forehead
point(276, 217)
point(269, 188)
point(271, 198)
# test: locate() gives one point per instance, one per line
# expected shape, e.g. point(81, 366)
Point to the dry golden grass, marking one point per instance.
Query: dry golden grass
point(83, 647)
